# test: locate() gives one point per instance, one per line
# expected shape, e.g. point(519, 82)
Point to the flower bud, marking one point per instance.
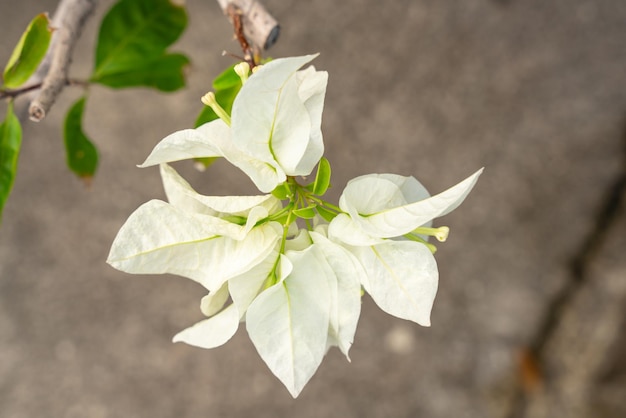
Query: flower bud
point(243, 70)
point(209, 100)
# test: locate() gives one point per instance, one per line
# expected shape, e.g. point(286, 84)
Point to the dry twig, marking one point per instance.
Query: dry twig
point(68, 21)
point(259, 26)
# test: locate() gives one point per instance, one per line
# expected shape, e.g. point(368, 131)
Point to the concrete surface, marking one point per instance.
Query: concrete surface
point(532, 90)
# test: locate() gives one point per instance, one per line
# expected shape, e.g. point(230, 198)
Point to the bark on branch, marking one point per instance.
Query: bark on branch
point(259, 26)
point(68, 22)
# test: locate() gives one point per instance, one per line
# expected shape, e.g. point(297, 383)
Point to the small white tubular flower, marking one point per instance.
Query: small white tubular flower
point(275, 128)
point(195, 237)
point(380, 206)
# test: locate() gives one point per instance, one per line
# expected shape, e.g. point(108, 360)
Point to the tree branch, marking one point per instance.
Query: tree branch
point(68, 21)
point(259, 26)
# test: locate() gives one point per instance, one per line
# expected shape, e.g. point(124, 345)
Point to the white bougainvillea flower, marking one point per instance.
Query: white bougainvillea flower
point(275, 128)
point(207, 239)
point(298, 290)
point(380, 206)
point(401, 276)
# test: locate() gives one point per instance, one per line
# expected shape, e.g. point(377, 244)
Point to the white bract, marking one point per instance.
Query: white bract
point(193, 236)
point(275, 128)
point(296, 285)
point(379, 206)
point(401, 275)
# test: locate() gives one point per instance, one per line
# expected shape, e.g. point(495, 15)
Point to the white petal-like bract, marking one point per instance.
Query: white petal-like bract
point(182, 195)
point(345, 291)
point(247, 286)
point(211, 332)
point(159, 238)
point(190, 143)
point(275, 128)
point(214, 301)
point(401, 277)
point(288, 323)
point(269, 118)
point(383, 206)
point(344, 229)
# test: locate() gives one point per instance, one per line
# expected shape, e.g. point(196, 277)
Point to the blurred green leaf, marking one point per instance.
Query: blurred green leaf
point(305, 213)
point(322, 178)
point(206, 115)
point(326, 214)
point(282, 191)
point(226, 86)
point(10, 142)
point(132, 43)
point(227, 79)
point(28, 52)
point(82, 156)
point(164, 73)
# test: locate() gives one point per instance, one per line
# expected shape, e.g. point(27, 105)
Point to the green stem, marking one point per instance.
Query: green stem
point(286, 228)
point(421, 240)
point(324, 203)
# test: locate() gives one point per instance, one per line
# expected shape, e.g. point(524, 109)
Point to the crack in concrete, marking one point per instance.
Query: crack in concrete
point(608, 214)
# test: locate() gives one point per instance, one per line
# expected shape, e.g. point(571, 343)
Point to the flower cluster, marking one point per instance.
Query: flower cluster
point(288, 264)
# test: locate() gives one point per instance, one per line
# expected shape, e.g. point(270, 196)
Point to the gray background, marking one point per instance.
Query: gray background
point(532, 90)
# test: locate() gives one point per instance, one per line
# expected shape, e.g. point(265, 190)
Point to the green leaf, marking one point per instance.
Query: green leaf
point(132, 43)
point(227, 79)
point(28, 52)
point(226, 86)
point(282, 191)
point(10, 142)
point(82, 156)
point(206, 115)
point(322, 178)
point(164, 73)
point(305, 213)
point(326, 214)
